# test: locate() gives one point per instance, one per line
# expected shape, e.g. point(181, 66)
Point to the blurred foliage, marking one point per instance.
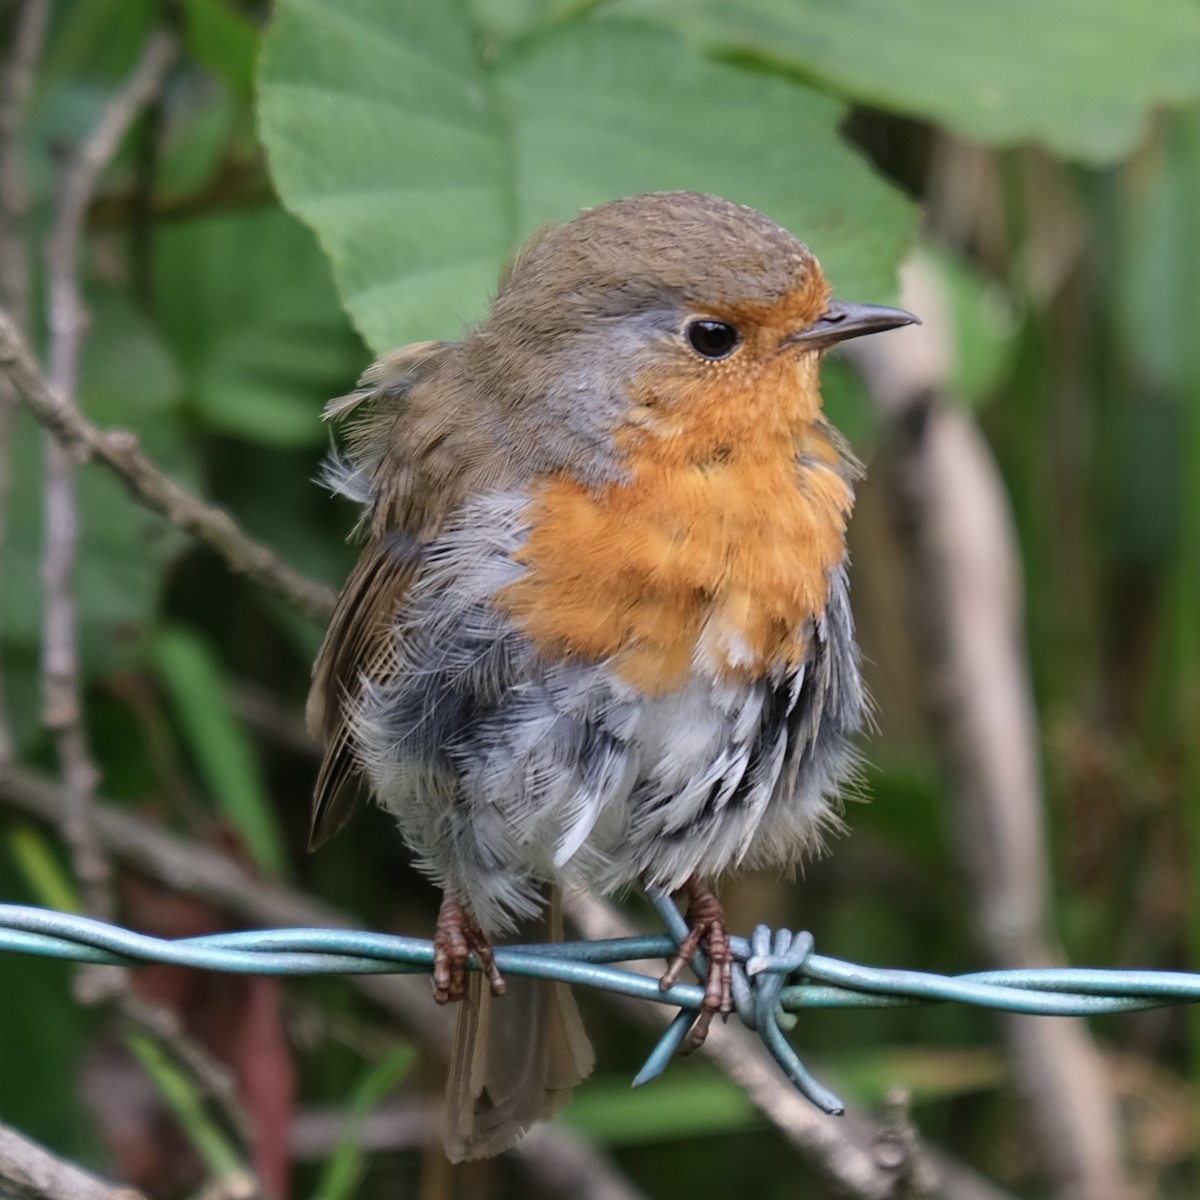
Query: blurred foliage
point(326, 180)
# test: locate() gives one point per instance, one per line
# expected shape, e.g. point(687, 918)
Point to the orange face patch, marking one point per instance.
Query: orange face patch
point(716, 549)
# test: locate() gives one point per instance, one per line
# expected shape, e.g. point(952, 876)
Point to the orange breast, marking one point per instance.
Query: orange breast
point(718, 548)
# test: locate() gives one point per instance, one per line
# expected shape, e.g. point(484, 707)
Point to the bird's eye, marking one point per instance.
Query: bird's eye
point(712, 339)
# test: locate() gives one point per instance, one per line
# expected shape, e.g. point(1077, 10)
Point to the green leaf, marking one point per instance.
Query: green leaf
point(502, 20)
point(383, 135)
point(90, 50)
point(421, 167)
point(187, 1106)
point(926, 1073)
point(223, 40)
point(1080, 76)
point(127, 381)
point(99, 40)
point(34, 857)
point(251, 312)
point(607, 1111)
point(342, 1173)
point(612, 108)
point(224, 755)
point(194, 146)
point(1159, 469)
point(46, 1033)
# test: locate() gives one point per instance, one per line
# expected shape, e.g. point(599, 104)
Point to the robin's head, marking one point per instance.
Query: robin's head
point(645, 313)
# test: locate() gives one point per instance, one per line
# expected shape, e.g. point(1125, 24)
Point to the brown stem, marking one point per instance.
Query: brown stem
point(559, 1161)
point(62, 708)
point(119, 451)
point(28, 29)
point(30, 1172)
point(965, 604)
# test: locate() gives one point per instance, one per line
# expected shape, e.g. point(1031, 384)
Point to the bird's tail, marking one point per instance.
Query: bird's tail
point(516, 1058)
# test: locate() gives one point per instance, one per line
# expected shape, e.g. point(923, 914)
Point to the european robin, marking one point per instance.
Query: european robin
point(599, 633)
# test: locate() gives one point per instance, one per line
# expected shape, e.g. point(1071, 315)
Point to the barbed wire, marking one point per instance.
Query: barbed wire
point(777, 974)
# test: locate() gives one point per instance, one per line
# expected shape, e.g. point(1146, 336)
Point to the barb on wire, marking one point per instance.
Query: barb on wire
point(777, 975)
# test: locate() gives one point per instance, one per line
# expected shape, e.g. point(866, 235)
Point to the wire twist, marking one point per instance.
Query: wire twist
point(776, 974)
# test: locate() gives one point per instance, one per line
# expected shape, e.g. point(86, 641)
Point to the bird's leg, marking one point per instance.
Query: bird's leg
point(705, 920)
point(456, 939)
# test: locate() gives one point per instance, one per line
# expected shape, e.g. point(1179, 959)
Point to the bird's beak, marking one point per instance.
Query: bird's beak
point(841, 320)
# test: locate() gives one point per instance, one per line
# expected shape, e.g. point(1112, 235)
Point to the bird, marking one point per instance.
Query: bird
point(599, 632)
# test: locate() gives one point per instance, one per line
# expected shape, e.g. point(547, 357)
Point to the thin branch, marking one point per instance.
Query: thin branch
point(149, 485)
point(30, 1172)
point(16, 84)
point(565, 1164)
point(62, 711)
point(561, 1162)
point(261, 709)
point(62, 707)
point(28, 29)
point(67, 320)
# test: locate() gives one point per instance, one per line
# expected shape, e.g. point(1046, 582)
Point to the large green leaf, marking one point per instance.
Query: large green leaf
point(421, 166)
point(612, 108)
point(1079, 76)
point(248, 305)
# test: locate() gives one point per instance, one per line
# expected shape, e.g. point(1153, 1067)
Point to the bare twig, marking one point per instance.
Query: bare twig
point(30, 1172)
point(965, 605)
point(264, 711)
point(67, 322)
point(62, 709)
point(565, 1164)
point(28, 28)
point(399, 1125)
point(560, 1162)
point(19, 72)
point(147, 483)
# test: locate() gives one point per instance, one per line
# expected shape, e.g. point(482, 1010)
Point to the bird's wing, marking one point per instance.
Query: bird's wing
point(360, 643)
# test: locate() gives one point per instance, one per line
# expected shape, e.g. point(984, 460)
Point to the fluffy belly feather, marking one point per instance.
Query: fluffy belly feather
point(507, 767)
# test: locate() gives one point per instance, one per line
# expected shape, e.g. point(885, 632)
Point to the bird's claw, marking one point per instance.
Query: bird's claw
point(456, 939)
point(706, 922)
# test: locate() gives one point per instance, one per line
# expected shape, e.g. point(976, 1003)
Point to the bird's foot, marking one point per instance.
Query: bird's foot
point(706, 922)
point(456, 939)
